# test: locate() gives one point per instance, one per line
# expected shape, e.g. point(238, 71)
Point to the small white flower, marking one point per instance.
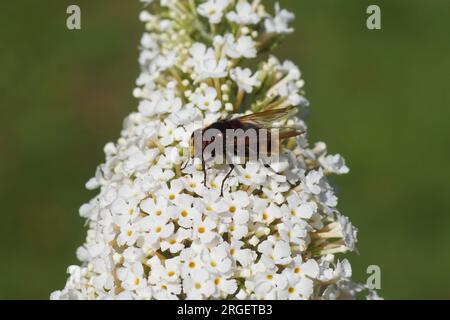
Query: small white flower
point(218, 260)
point(298, 289)
point(244, 14)
point(211, 68)
point(236, 204)
point(192, 261)
point(159, 175)
point(128, 234)
point(172, 193)
point(136, 160)
point(349, 232)
point(213, 10)
point(156, 228)
point(267, 212)
point(280, 23)
point(334, 164)
point(167, 273)
point(175, 243)
point(205, 64)
point(244, 79)
point(298, 268)
point(187, 213)
point(295, 233)
point(199, 52)
point(244, 46)
point(166, 133)
point(194, 183)
point(266, 285)
point(198, 285)
point(275, 252)
point(155, 208)
point(252, 174)
point(299, 207)
point(204, 230)
point(165, 280)
point(244, 256)
point(206, 99)
point(312, 183)
point(132, 278)
point(169, 158)
point(225, 286)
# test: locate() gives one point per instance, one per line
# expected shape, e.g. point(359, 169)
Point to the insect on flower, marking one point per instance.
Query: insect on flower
point(239, 140)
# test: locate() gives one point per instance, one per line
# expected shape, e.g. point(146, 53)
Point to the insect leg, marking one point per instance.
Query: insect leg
point(204, 168)
point(225, 179)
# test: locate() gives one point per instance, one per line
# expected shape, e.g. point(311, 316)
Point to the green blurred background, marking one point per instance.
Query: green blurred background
point(380, 98)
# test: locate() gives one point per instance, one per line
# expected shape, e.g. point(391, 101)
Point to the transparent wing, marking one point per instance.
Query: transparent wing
point(266, 144)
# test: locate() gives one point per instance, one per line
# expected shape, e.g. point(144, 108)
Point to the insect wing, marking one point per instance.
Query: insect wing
point(266, 119)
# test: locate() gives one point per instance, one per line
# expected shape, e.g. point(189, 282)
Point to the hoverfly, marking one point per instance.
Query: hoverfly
point(268, 140)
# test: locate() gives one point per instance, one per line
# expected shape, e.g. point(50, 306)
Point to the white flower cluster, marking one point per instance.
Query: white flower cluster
point(155, 231)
